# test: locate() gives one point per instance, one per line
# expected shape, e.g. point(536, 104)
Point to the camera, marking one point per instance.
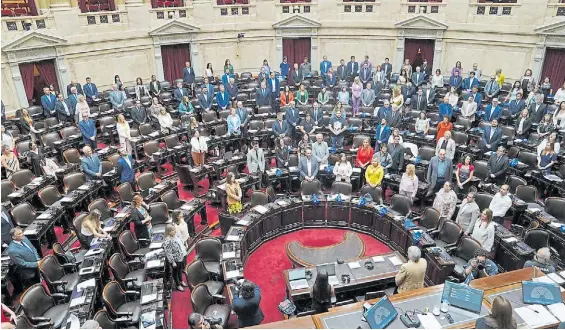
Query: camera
point(213, 320)
point(481, 266)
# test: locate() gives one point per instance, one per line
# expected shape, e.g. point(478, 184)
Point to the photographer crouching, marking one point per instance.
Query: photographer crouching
point(480, 266)
point(198, 321)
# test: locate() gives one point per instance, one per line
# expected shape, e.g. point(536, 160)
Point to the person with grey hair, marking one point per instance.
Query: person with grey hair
point(411, 274)
point(542, 260)
point(117, 98)
point(91, 324)
point(175, 252)
point(91, 165)
point(468, 214)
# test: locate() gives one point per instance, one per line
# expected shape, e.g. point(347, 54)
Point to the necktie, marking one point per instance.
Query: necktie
point(263, 91)
point(5, 217)
point(417, 77)
point(419, 99)
point(257, 155)
point(498, 159)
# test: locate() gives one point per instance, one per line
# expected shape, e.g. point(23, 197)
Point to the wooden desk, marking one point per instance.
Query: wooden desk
point(504, 279)
point(304, 322)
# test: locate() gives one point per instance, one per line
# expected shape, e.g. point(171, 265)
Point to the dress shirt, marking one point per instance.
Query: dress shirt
point(499, 205)
point(127, 161)
point(441, 168)
point(492, 131)
point(309, 165)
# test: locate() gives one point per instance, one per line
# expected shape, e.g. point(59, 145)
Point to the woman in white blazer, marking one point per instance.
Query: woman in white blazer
point(199, 148)
point(124, 134)
point(449, 146)
point(343, 169)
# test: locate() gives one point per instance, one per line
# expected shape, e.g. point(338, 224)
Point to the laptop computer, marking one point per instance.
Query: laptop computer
point(541, 293)
point(381, 314)
point(297, 279)
point(330, 269)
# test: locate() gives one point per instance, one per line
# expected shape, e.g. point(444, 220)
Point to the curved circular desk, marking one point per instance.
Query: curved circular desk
point(350, 248)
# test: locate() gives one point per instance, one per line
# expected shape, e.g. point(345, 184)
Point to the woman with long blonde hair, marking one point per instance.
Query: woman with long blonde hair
point(356, 90)
point(124, 134)
point(397, 98)
point(409, 182)
point(82, 108)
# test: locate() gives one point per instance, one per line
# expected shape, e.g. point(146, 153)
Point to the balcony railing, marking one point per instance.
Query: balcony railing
point(170, 12)
point(295, 6)
point(422, 6)
point(26, 23)
point(104, 17)
point(228, 8)
point(503, 8)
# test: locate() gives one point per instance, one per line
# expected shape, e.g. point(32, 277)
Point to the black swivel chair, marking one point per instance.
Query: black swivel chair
point(73, 181)
point(483, 200)
point(159, 213)
point(60, 278)
point(39, 306)
point(23, 214)
point(71, 156)
point(127, 274)
point(206, 304)
point(528, 194)
point(120, 303)
point(77, 223)
point(209, 250)
point(101, 205)
point(72, 256)
point(481, 169)
point(184, 176)
point(556, 207)
point(513, 182)
point(376, 193)
point(448, 235)
point(430, 219)
point(307, 188)
point(126, 193)
point(106, 322)
point(196, 273)
point(171, 199)
point(22, 322)
point(258, 198)
point(130, 245)
point(6, 188)
point(21, 178)
point(464, 252)
point(344, 188)
point(145, 181)
point(49, 195)
point(536, 238)
point(401, 204)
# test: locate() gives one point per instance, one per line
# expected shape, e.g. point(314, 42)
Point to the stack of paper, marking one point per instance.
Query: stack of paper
point(429, 321)
point(536, 316)
point(378, 259)
point(261, 209)
point(395, 261)
point(228, 255)
point(354, 265)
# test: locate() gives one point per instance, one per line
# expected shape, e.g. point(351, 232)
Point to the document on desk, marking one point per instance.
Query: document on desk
point(242, 222)
point(86, 284)
point(536, 316)
point(261, 209)
point(64, 199)
point(354, 265)
point(228, 255)
point(148, 298)
point(153, 264)
point(429, 321)
point(546, 279)
point(395, 261)
point(30, 231)
point(92, 252)
point(187, 207)
point(155, 245)
point(84, 187)
point(282, 202)
point(510, 239)
point(148, 320)
point(44, 216)
point(120, 215)
point(232, 274)
point(558, 310)
point(556, 224)
point(378, 259)
point(77, 301)
point(232, 238)
point(556, 278)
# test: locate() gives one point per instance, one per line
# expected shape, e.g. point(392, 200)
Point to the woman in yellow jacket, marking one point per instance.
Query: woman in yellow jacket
point(374, 173)
point(499, 77)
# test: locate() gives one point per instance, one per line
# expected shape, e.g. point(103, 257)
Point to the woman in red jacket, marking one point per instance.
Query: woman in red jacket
point(364, 156)
point(286, 97)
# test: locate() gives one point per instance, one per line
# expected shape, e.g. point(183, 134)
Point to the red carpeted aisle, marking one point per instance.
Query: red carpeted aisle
point(265, 267)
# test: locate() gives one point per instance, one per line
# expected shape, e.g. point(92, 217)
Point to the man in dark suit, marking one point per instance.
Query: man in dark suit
point(477, 97)
point(429, 93)
point(73, 97)
point(24, 255)
point(537, 110)
point(88, 131)
point(204, 100)
point(263, 95)
point(125, 168)
point(517, 105)
point(262, 75)
point(407, 90)
point(492, 136)
point(352, 68)
point(396, 151)
point(91, 165)
point(325, 66)
point(138, 114)
point(384, 111)
point(497, 166)
point(342, 71)
point(232, 89)
point(493, 111)
point(470, 81)
point(316, 114)
point(426, 69)
point(456, 80)
point(246, 305)
point(280, 126)
point(492, 88)
point(244, 116)
point(48, 101)
point(64, 109)
point(292, 119)
point(523, 125)
point(440, 170)
point(188, 76)
point(179, 92)
point(365, 74)
point(75, 85)
point(90, 91)
point(330, 78)
point(296, 76)
point(274, 88)
point(387, 68)
point(394, 118)
point(418, 77)
point(7, 225)
point(308, 166)
point(419, 101)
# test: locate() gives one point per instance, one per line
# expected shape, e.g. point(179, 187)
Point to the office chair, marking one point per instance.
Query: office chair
point(307, 188)
point(23, 214)
point(426, 152)
point(49, 195)
point(125, 273)
point(206, 304)
point(101, 205)
point(528, 158)
point(21, 178)
point(448, 235)
point(209, 250)
point(67, 132)
point(72, 181)
point(130, 245)
point(145, 129)
point(120, 303)
point(196, 273)
point(172, 141)
point(114, 158)
point(183, 172)
point(430, 219)
point(126, 193)
point(22, 322)
point(145, 181)
point(71, 156)
point(107, 166)
point(71, 256)
point(159, 213)
point(376, 193)
point(77, 223)
point(464, 252)
point(49, 139)
point(105, 322)
point(481, 169)
point(344, 188)
point(536, 238)
point(528, 194)
point(514, 181)
point(401, 204)
point(555, 206)
point(6, 188)
point(40, 306)
point(258, 198)
point(172, 201)
point(59, 278)
point(483, 200)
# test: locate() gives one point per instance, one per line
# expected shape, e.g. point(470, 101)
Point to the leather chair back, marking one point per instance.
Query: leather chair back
point(184, 175)
point(73, 180)
point(483, 200)
point(21, 178)
point(308, 188)
point(426, 152)
point(103, 107)
point(49, 195)
point(22, 147)
point(49, 139)
point(145, 129)
point(528, 194)
point(71, 156)
point(483, 124)
point(256, 125)
point(165, 97)
point(528, 158)
point(376, 193)
point(293, 160)
point(146, 180)
point(268, 123)
point(481, 169)
point(464, 122)
point(107, 166)
point(118, 267)
point(107, 121)
point(209, 249)
point(220, 130)
point(358, 140)
point(201, 298)
point(34, 110)
point(344, 188)
point(224, 114)
point(556, 207)
point(209, 116)
point(355, 122)
point(459, 137)
point(430, 218)
point(536, 238)
point(467, 247)
point(401, 204)
point(450, 232)
point(561, 172)
point(513, 152)
point(50, 270)
point(7, 188)
point(264, 109)
point(515, 181)
point(172, 141)
point(170, 198)
point(104, 320)
point(259, 198)
point(66, 132)
point(59, 252)
point(101, 205)
point(128, 243)
point(35, 301)
point(77, 223)
point(332, 159)
point(125, 192)
point(23, 214)
point(113, 296)
point(159, 213)
point(196, 273)
point(165, 85)
point(145, 101)
point(150, 147)
point(114, 158)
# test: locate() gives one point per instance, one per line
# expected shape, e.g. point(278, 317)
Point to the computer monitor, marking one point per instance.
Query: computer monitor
point(330, 268)
point(541, 293)
point(381, 314)
point(297, 274)
point(462, 296)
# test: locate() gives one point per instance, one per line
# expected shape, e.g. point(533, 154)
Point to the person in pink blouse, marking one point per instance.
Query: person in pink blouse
point(457, 68)
point(356, 89)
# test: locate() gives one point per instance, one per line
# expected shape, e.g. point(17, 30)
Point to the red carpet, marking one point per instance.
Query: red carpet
point(265, 268)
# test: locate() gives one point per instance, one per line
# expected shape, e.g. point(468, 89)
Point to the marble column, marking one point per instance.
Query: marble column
point(397, 65)
point(19, 84)
point(159, 62)
point(195, 57)
point(314, 51)
point(438, 46)
point(62, 74)
point(539, 56)
point(279, 48)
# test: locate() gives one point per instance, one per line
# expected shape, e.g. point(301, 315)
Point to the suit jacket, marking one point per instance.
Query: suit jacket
point(430, 95)
point(223, 99)
point(382, 133)
point(455, 81)
point(205, 103)
point(154, 90)
point(244, 116)
point(397, 156)
point(449, 149)
point(368, 97)
point(432, 174)
point(296, 77)
point(232, 90)
point(248, 311)
point(78, 86)
point(365, 75)
point(48, 104)
point(91, 166)
point(494, 141)
point(478, 99)
point(407, 92)
point(352, 69)
point(87, 129)
point(7, 225)
point(525, 127)
point(384, 112)
point(537, 116)
point(445, 109)
point(417, 80)
point(394, 118)
point(140, 229)
point(330, 81)
point(303, 167)
point(325, 67)
point(26, 259)
point(516, 106)
point(342, 72)
point(262, 76)
point(279, 128)
point(73, 100)
point(90, 91)
point(467, 216)
point(411, 275)
point(492, 87)
point(35, 158)
point(188, 75)
point(255, 160)
point(387, 69)
point(426, 70)
point(263, 97)
point(496, 167)
point(292, 116)
point(420, 106)
point(468, 83)
point(491, 113)
point(60, 108)
point(117, 98)
point(317, 116)
point(139, 116)
point(271, 82)
point(178, 95)
point(125, 171)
